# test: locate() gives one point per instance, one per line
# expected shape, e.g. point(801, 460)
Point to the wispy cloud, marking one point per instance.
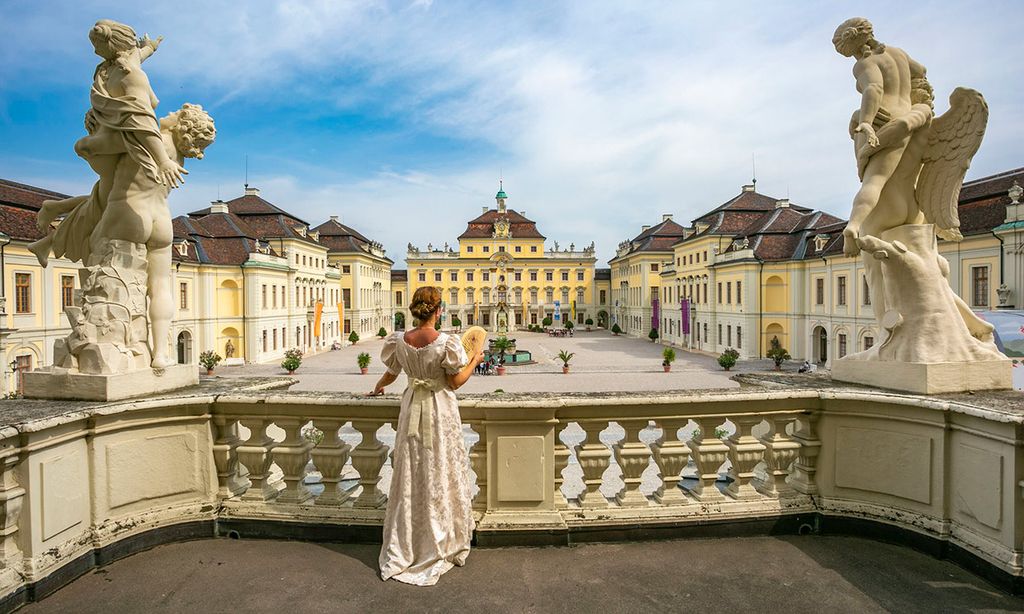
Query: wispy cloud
point(601, 115)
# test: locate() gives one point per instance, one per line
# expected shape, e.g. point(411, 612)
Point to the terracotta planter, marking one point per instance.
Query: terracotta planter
point(363, 370)
point(667, 368)
point(291, 372)
point(588, 329)
point(209, 371)
point(565, 370)
point(501, 370)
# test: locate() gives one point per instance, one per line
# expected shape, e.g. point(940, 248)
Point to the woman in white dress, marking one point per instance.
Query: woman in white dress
point(429, 522)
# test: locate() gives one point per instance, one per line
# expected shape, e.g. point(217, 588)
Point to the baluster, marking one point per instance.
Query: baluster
point(745, 452)
point(708, 453)
point(368, 458)
point(594, 458)
point(781, 449)
point(633, 456)
point(255, 454)
point(478, 460)
point(562, 454)
point(12, 496)
point(802, 479)
point(292, 456)
point(225, 457)
point(671, 454)
point(329, 457)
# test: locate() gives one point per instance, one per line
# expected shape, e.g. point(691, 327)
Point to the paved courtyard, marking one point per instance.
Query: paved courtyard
point(603, 363)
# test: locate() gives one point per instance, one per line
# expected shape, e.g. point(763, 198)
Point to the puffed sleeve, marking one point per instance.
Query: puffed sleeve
point(389, 354)
point(454, 355)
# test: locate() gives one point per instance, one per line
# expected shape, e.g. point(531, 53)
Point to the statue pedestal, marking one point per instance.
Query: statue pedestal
point(926, 378)
point(57, 383)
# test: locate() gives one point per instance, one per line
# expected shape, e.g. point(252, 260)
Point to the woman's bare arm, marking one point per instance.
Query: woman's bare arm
point(456, 381)
point(385, 380)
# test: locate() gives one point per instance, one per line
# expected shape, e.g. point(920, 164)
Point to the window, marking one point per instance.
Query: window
point(273, 295)
point(437, 276)
point(579, 297)
point(866, 290)
point(455, 276)
point(705, 332)
point(469, 295)
point(565, 275)
point(519, 276)
point(22, 293)
point(841, 291)
point(739, 337)
point(728, 332)
point(67, 291)
point(549, 276)
point(398, 297)
point(719, 293)
point(454, 297)
point(486, 319)
point(819, 291)
point(275, 338)
point(469, 275)
point(469, 249)
point(533, 296)
point(422, 276)
point(842, 344)
point(533, 249)
point(691, 258)
point(533, 275)
point(485, 296)
point(264, 345)
point(550, 295)
point(728, 292)
point(654, 267)
point(486, 276)
point(487, 248)
point(979, 286)
point(705, 255)
point(604, 297)
point(869, 342)
point(264, 296)
point(719, 334)
point(705, 292)
point(739, 294)
point(303, 259)
point(518, 248)
point(346, 298)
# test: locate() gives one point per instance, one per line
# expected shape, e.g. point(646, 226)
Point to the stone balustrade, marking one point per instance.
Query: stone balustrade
point(82, 488)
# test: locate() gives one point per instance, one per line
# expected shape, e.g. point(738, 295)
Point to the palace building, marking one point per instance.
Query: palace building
point(501, 275)
point(251, 280)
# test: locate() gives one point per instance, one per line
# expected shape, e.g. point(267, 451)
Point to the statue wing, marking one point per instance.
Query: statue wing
point(953, 139)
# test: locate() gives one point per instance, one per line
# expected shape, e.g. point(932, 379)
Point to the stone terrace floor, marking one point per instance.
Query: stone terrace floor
point(766, 574)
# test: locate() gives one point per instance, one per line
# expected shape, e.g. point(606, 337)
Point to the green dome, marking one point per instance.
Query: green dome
point(501, 194)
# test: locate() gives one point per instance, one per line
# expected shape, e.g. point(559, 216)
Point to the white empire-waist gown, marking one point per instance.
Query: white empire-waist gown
point(429, 521)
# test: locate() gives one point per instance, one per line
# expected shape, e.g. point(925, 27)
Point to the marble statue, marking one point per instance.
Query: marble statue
point(121, 231)
point(911, 165)
point(229, 349)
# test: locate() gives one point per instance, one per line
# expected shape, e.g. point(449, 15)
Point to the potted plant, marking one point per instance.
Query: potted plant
point(364, 362)
point(668, 355)
point(569, 324)
point(777, 353)
point(456, 322)
point(653, 335)
point(565, 357)
point(292, 360)
point(382, 333)
point(546, 321)
point(501, 345)
point(353, 337)
point(728, 358)
point(209, 359)
point(589, 323)
point(616, 330)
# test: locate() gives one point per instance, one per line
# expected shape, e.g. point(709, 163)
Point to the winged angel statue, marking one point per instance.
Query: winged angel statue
point(911, 165)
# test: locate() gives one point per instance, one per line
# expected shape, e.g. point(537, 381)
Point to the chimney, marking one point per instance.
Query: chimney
point(782, 203)
point(485, 209)
point(666, 217)
point(218, 206)
point(249, 191)
point(334, 218)
point(748, 188)
point(645, 228)
point(523, 213)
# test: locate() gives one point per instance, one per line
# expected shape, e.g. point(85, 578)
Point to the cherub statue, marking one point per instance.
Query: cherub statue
point(911, 164)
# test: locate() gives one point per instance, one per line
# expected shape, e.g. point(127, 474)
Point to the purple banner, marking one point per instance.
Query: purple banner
point(685, 307)
point(655, 314)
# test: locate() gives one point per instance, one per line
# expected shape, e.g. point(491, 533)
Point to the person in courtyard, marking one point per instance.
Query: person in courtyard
point(428, 523)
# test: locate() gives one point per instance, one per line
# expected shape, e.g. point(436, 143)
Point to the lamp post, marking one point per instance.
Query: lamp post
point(5, 240)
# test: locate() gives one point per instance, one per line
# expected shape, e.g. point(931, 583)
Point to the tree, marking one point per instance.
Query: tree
point(777, 353)
point(728, 358)
point(382, 332)
point(546, 321)
point(615, 329)
point(653, 335)
point(569, 324)
point(353, 337)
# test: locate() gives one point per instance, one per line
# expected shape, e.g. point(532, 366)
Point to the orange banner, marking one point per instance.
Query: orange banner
point(319, 312)
point(341, 317)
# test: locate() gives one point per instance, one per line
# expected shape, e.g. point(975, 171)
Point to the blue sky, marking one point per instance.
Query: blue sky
point(601, 116)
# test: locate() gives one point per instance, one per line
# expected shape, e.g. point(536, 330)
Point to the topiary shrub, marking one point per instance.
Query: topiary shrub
point(728, 358)
point(653, 335)
point(616, 330)
point(382, 333)
point(353, 337)
point(546, 321)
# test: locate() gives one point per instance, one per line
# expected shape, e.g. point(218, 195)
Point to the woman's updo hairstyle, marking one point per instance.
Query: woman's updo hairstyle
point(425, 302)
